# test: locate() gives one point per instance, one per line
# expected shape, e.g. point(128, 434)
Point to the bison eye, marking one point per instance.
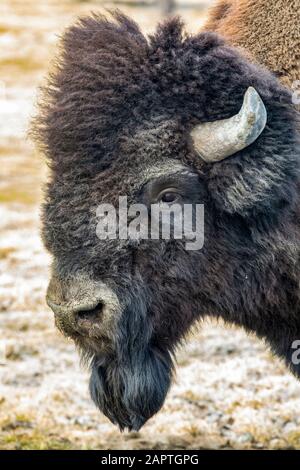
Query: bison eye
point(169, 196)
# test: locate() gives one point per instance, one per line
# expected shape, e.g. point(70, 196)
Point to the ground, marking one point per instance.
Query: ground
point(229, 392)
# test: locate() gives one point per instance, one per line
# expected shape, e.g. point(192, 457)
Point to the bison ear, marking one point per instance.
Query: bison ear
point(264, 176)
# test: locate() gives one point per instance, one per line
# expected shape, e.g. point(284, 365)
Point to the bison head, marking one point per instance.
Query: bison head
point(168, 119)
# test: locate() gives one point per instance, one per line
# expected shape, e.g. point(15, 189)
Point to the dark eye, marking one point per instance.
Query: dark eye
point(169, 197)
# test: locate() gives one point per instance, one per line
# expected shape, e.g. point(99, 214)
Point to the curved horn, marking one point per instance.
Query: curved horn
point(214, 141)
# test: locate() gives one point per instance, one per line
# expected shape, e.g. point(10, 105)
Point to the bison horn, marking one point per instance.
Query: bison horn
point(215, 141)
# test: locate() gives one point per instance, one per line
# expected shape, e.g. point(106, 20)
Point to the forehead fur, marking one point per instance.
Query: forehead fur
point(110, 79)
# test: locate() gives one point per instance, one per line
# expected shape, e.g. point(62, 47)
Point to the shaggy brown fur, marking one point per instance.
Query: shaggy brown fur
point(116, 120)
point(268, 29)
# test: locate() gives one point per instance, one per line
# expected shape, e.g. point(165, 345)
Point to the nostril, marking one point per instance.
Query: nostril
point(90, 316)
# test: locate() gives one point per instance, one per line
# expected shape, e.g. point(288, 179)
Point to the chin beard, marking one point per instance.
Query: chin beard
point(130, 380)
point(129, 390)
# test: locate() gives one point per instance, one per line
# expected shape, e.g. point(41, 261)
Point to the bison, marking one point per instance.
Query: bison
point(267, 29)
point(171, 118)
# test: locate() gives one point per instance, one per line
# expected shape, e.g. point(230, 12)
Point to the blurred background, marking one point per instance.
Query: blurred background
point(229, 391)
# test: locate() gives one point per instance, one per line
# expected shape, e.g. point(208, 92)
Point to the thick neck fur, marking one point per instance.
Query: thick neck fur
point(268, 30)
point(264, 293)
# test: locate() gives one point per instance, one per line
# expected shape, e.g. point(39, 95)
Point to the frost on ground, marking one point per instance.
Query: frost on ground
point(229, 391)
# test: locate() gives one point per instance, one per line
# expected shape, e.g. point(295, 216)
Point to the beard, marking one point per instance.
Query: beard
point(130, 390)
point(130, 379)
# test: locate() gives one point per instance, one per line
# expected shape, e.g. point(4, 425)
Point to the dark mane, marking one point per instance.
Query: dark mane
point(109, 78)
point(118, 108)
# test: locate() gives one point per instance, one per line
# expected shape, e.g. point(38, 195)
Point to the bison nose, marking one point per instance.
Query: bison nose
point(83, 306)
point(80, 317)
point(89, 317)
